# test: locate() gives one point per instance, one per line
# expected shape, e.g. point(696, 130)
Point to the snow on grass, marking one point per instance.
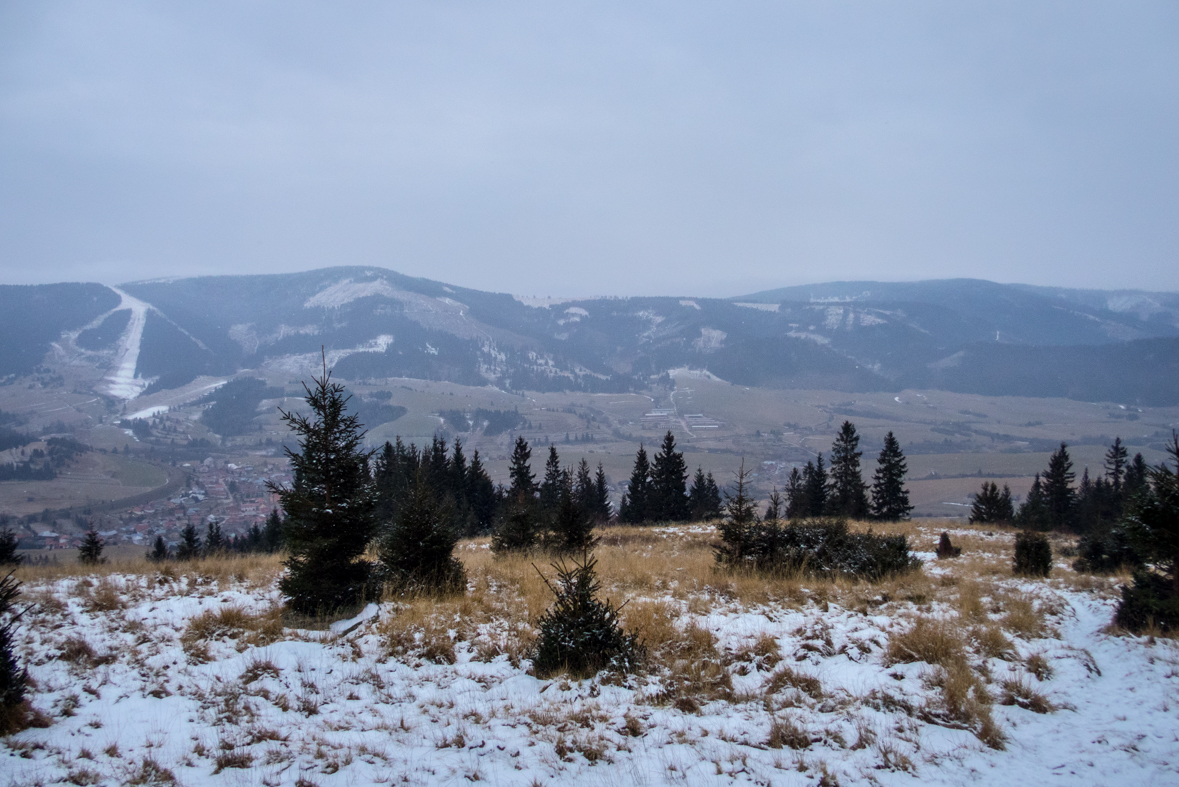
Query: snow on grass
point(194, 676)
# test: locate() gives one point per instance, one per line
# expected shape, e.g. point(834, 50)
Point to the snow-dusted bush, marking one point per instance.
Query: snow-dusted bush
point(580, 632)
point(1033, 554)
point(820, 548)
point(13, 677)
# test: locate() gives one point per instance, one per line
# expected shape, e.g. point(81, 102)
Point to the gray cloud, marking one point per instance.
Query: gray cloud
point(593, 149)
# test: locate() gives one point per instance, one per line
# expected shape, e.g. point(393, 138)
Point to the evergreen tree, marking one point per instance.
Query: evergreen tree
point(189, 547)
point(1115, 464)
point(583, 489)
point(13, 677)
point(890, 499)
point(159, 552)
point(848, 494)
point(736, 528)
point(331, 507)
point(417, 550)
point(796, 505)
point(550, 487)
point(272, 532)
point(1152, 522)
point(1136, 475)
point(637, 502)
point(215, 543)
point(602, 510)
point(774, 508)
point(394, 469)
point(519, 528)
point(581, 633)
point(481, 495)
point(573, 528)
point(696, 495)
point(814, 481)
point(669, 476)
point(8, 545)
point(1058, 489)
point(90, 552)
point(1033, 513)
point(520, 471)
point(991, 505)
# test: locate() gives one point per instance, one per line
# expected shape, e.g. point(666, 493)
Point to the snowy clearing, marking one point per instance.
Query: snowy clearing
point(192, 676)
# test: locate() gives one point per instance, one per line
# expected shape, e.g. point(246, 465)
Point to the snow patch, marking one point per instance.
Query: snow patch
point(346, 291)
point(693, 304)
point(710, 339)
point(765, 307)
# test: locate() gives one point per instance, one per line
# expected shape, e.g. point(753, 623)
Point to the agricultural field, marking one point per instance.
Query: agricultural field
point(957, 673)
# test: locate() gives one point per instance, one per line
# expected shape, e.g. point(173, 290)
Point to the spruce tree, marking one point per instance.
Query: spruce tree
point(159, 552)
point(573, 527)
point(774, 508)
point(1059, 495)
point(90, 552)
point(1033, 513)
point(669, 476)
point(523, 482)
point(1115, 464)
point(8, 545)
point(417, 549)
point(602, 508)
point(330, 508)
point(796, 505)
point(581, 633)
point(637, 503)
point(848, 494)
point(696, 495)
point(814, 481)
point(519, 526)
point(481, 495)
point(550, 487)
point(890, 499)
point(215, 543)
point(13, 677)
point(583, 489)
point(1152, 522)
point(190, 547)
point(736, 528)
point(272, 532)
point(991, 505)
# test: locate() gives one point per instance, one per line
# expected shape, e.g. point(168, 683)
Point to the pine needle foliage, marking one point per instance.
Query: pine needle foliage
point(330, 508)
point(1152, 525)
point(417, 550)
point(1033, 555)
point(581, 633)
point(13, 677)
point(90, 552)
point(8, 545)
point(890, 499)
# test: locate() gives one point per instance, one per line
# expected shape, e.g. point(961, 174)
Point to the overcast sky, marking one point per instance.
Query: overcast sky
point(578, 149)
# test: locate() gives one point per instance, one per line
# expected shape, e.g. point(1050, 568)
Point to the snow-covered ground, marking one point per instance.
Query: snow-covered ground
point(192, 679)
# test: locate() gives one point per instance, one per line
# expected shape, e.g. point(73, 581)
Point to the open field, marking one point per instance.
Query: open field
point(957, 673)
point(945, 436)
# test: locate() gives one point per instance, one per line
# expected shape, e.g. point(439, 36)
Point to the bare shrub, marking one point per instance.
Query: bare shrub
point(1018, 693)
point(785, 677)
point(784, 733)
point(1038, 665)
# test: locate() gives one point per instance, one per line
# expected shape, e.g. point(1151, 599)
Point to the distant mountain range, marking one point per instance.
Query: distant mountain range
point(962, 335)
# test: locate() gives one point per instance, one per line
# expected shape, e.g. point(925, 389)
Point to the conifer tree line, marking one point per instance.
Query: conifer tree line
point(657, 490)
point(1057, 502)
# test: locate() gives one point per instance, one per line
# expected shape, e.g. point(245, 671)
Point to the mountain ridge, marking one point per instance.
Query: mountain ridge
point(964, 335)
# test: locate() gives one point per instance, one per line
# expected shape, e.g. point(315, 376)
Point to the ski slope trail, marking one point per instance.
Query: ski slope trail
point(121, 382)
